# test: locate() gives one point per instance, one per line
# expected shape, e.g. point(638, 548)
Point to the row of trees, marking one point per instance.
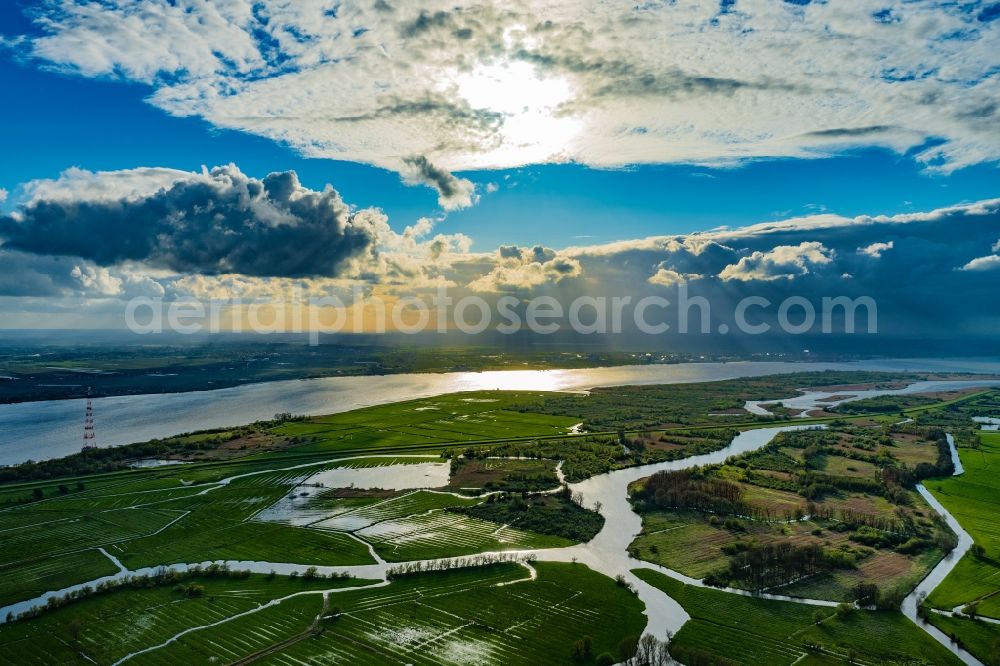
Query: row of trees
point(761, 566)
point(692, 489)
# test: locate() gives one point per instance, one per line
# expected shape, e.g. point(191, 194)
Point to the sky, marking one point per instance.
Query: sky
point(182, 150)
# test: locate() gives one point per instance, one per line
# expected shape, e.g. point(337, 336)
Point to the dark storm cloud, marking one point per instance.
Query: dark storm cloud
point(218, 222)
point(930, 273)
point(453, 192)
point(30, 275)
point(616, 78)
point(838, 132)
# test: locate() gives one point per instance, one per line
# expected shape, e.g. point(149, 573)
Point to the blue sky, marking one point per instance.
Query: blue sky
point(610, 144)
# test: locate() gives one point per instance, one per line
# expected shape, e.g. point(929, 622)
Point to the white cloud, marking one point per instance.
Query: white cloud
point(875, 250)
point(491, 84)
point(3, 195)
point(987, 263)
point(783, 261)
point(75, 184)
point(516, 269)
point(97, 279)
point(668, 277)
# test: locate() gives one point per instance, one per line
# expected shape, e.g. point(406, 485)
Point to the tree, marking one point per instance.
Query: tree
point(627, 647)
point(74, 628)
point(652, 651)
point(577, 652)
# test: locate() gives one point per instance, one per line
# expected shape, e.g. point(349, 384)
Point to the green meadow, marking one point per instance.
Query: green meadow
point(725, 628)
point(974, 499)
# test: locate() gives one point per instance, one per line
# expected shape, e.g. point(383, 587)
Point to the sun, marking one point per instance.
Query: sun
point(535, 128)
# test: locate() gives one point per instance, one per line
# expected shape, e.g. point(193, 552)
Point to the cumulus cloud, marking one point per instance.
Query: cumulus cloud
point(875, 250)
point(668, 277)
point(453, 192)
point(518, 269)
point(218, 221)
point(3, 195)
point(493, 84)
point(783, 261)
point(988, 263)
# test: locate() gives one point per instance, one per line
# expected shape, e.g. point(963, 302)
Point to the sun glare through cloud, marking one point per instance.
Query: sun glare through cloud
point(534, 127)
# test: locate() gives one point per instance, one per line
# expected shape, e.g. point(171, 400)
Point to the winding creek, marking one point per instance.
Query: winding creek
point(606, 553)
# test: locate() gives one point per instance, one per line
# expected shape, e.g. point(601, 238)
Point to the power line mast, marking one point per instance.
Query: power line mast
point(89, 438)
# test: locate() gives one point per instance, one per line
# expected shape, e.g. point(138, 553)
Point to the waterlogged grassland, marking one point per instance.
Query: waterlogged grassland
point(106, 627)
point(467, 617)
point(725, 628)
point(974, 499)
point(395, 507)
point(242, 637)
point(53, 543)
point(446, 534)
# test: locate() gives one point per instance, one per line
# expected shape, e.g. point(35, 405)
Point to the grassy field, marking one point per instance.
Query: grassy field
point(745, 630)
point(464, 617)
point(974, 499)
point(107, 627)
point(494, 614)
point(980, 638)
point(446, 419)
point(34, 577)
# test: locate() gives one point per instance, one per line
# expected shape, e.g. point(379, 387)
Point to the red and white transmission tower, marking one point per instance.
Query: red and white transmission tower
point(89, 438)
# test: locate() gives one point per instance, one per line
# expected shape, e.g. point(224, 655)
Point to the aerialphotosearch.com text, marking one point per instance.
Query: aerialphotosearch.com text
point(474, 314)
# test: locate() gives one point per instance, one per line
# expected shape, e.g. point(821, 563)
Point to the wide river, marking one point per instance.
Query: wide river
point(52, 429)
